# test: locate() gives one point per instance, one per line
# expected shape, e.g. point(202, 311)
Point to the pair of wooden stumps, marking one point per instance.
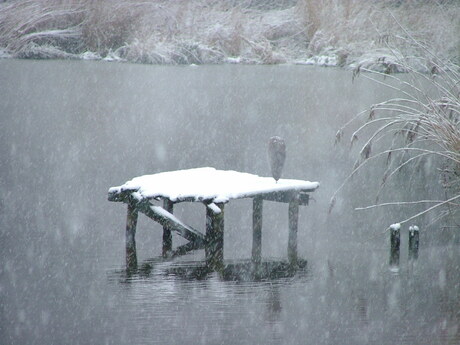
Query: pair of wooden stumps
point(395, 243)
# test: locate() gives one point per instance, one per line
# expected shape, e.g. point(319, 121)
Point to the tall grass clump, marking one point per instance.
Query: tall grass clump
point(422, 123)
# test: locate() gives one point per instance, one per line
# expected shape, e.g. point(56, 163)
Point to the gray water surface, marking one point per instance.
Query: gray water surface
point(69, 130)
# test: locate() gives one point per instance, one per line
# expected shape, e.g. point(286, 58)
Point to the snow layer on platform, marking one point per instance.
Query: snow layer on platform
point(413, 228)
point(395, 227)
point(208, 184)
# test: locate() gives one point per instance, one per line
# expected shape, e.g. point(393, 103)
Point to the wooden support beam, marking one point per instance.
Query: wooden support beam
point(293, 225)
point(281, 196)
point(168, 205)
point(287, 197)
point(214, 248)
point(257, 204)
point(168, 220)
point(278, 196)
point(131, 223)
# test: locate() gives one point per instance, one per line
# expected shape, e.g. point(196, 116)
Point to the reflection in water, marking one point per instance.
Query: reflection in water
point(330, 307)
point(230, 271)
point(242, 287)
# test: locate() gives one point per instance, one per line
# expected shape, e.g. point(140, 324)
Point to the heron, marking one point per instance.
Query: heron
point(277, 156)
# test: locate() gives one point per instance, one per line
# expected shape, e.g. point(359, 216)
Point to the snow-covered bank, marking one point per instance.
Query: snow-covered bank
point(372, 34)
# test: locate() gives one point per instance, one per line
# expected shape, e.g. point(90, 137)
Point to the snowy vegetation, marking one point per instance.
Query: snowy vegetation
point(325, 32)
point(378, 34)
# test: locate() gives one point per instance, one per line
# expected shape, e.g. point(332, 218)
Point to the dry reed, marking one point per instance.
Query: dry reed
point(422, 122)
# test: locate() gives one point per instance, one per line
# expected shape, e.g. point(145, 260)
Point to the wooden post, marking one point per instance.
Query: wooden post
point(167, 236)
point(131, 223)
point(214, 248)
point(395, 240)
point(293, 224)
point(257, 204)
point(413, 242)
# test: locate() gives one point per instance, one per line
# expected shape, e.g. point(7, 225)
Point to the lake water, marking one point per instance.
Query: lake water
point(69, 130)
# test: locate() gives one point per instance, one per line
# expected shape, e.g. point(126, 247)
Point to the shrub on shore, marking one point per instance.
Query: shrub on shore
point(157, 31)
point(330, 32)
point(358, 32)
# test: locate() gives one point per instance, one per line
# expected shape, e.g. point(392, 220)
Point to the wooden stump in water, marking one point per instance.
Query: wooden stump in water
point(413, 242)
point(167, 236)
point(293, 224)
point(257, 204)
point(214, 248)
point(395, 240)
point(131, 223)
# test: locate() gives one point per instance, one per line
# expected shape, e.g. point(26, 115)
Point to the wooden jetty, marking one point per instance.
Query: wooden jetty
point(214, 188)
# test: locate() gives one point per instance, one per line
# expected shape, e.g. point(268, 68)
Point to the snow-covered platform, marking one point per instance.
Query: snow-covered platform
point(209, 185)
point(213, 188)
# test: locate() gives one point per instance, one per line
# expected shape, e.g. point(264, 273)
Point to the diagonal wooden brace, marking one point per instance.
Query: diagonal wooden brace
point(214, 249)
point(168, 220)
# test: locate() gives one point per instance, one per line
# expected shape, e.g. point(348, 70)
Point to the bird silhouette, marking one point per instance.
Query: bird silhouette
point(277, 156)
